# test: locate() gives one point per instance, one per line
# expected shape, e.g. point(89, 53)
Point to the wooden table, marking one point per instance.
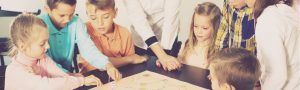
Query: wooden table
point(190, 74)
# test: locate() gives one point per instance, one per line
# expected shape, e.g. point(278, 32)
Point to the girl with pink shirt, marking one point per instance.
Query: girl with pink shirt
point(31, 68)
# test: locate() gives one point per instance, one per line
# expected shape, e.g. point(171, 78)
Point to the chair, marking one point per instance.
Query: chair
point(2, 77)
point(76, 52)
point(6, 13)
point(4, 48)
point(175, 49)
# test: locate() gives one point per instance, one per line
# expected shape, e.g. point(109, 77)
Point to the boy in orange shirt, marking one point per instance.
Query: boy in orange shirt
point(111, 39)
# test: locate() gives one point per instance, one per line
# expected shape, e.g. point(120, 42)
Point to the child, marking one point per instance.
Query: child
point(66, 30)
point(237, 26)
point(204, 26)
point(113, 40)
point(278, 44)
point(31, 68)
point(234, 69)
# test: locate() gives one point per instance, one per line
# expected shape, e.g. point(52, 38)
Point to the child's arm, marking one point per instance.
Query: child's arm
point(129, 54)
point(87, 48)
point(130, 59)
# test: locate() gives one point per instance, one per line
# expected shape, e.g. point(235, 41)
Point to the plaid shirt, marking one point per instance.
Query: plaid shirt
point(236, 29)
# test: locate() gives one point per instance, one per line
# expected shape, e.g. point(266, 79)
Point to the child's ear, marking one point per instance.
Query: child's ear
point(21, 46)
point(227, 86)
point(47, 9)
point(115, 12)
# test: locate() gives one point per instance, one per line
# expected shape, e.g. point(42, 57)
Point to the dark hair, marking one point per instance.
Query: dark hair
point(237, 67)
point(102, 4)
point(260, 5)
point(53, 3)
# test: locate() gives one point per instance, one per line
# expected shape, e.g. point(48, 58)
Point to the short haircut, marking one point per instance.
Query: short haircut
point(53, 3)
point(102, 4)
point(237, 67)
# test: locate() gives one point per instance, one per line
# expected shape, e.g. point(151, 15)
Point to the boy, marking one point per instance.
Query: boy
point(111, 39)
point(65, 30)
point(234, 69)
point(236, 29)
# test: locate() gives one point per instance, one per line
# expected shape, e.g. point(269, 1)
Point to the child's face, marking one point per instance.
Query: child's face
point(215, 85)
point(203, 28)
point(102, 20)
point(38, 45)
point(237, 3)
point(250, 3)
point(61, 15)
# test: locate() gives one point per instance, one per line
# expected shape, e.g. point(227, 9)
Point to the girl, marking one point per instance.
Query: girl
point(203, 31)
point(277, 37)
point(31, 68)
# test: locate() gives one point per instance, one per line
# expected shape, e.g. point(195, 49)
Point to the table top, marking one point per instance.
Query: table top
point(193, 75)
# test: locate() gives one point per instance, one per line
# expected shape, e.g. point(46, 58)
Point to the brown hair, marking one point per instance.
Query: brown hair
point(237, 67)
point(21, 31)
point(53, 3)
point(208, 9)
point(260, 5)
point(102, 4)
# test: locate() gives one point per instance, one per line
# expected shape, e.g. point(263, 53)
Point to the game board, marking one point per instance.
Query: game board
point(148, 81)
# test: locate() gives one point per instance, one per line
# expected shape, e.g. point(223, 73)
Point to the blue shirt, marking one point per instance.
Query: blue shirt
point(62, 44)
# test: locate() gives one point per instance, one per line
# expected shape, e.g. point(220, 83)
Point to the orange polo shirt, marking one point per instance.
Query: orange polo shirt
point(119, 46)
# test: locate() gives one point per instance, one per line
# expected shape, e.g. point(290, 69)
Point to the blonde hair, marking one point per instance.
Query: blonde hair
point(212, 11)
point(237, 67)
point(21, 31)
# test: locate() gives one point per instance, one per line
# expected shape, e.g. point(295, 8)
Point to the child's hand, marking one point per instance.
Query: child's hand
point(113, 72)
point(136, 59)
point(92, 80)
point(168, 62)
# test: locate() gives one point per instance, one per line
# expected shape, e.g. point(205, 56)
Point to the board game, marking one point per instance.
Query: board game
point(148, 80)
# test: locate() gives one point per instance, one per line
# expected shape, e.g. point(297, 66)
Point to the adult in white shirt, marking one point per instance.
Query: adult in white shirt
point(278, 44)
point(155, 25)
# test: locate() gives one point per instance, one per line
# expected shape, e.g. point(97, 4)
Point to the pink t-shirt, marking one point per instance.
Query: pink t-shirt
point(26, 73)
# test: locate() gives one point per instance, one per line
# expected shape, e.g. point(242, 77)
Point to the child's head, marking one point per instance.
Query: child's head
point(29, 35)
point(234, 69)
point(204, 25)
point(237, 3)
point(260, 5)
point(60, 11)
point(101, 14)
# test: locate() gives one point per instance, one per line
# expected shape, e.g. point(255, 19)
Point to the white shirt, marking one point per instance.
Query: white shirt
point(278, 48)
point(153, 18)
point(195, 58)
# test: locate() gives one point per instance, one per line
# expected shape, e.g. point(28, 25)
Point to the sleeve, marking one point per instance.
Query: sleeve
point(171, 23)
point(139, 21)
point(222, 37)
point(53, 79)
point(52, 69)
point(129, 50)
point(88, 49)
point(271, 51)
point(56, 83)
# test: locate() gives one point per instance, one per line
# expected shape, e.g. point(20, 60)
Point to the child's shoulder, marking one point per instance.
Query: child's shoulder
point(123, 30)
